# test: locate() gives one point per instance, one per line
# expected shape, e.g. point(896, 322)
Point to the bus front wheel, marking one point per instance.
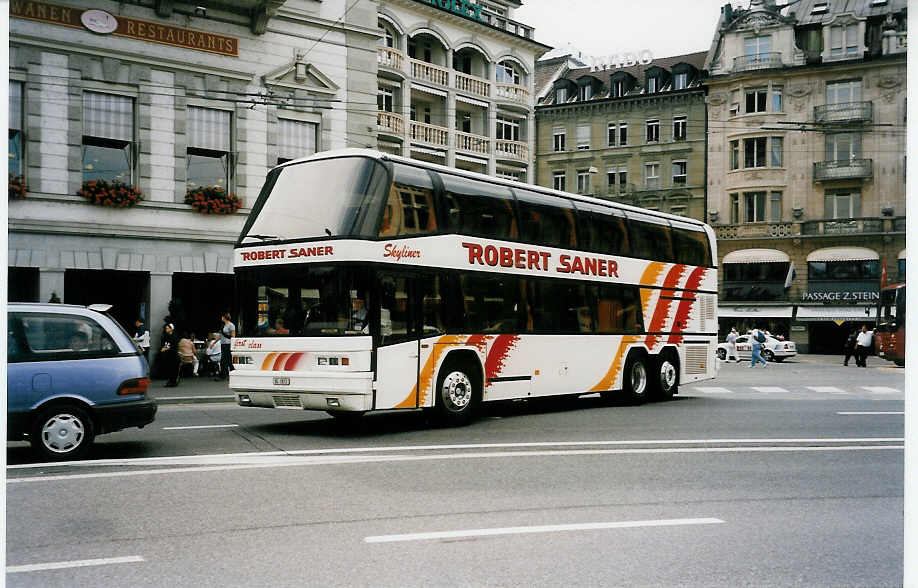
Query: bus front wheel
point(636, 381)
point(458, 393)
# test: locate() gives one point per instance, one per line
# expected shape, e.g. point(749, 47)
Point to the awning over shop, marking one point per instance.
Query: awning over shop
point(836, 313)
point(843, 254)
point(902, 254)
point(428, 90)
point(755, 311)
point(756, 256)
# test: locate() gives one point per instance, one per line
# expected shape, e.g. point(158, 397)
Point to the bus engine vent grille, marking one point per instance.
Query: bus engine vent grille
point(286, 401)
point(696, 359)
point(708, 311)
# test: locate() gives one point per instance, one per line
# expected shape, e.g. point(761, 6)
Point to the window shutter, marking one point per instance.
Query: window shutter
point(295, 138)
point(209, 128)
point(15, 123)
point(108, 116)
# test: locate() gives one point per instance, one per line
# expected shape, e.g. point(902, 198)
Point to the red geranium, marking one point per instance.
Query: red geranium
point(114, 194)
point(212, 200)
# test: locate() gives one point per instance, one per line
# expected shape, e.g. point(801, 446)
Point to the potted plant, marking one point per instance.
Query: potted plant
point(112, 194)
point(18, 187)
point(212, 200)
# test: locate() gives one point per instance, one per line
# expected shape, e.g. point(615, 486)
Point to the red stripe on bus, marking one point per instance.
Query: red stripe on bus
point(279, 362)
point(685, 306)
point(500, 349)
point(291, 362)
point(661, 312)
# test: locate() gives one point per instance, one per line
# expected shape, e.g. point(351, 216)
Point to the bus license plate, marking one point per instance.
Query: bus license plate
point(281, 381)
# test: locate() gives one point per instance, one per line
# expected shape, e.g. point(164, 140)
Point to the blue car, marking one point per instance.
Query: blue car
point(73, 373)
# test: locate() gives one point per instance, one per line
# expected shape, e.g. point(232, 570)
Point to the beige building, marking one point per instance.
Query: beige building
point(455, 85)
point(633, 134)
point(806, 163)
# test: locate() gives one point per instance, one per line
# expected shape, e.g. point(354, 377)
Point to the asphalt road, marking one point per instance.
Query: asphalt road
point(789, 475)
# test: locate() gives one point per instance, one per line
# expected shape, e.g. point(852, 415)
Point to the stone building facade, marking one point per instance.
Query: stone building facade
point(633, 134)
point(806, 164)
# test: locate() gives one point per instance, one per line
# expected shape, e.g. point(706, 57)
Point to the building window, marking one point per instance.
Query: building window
point(680, 81)
point(611, 179)
point(463, 122)
point(583, 136)
point(843, 40)
point(622, 179)
point(612, 134)
point(618, 88)
point(622, 134)
point(777, 151)
point(843, 146)
point(754, 152)
point(559, 137)
point(560, 95)
point(108, 137)
point(295, 139)
point(653, 84)
point(680, 170)
point(734, 155)
point(653, 131)
point(208, 161)
point(507, 73)
point(508, 129)
point(777, 99)
point(843, 92)
point(583, 181)
point(559, 180)
point(758, 47)
point(775, 214)
point(754, 206)
point(585, 92)
point(15, 129)
point(756, 100)
point(843, 204)
point(384, 99)
point(734, 102)
point(652, 175)
point(679, 128)
point(734, 208)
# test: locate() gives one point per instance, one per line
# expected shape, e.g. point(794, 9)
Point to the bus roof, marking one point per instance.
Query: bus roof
point(382, 157)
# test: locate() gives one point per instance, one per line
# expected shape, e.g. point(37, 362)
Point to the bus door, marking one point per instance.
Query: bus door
point(397, 339)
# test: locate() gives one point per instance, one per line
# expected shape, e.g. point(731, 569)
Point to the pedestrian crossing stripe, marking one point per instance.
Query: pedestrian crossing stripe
point(712, 390)
point(769, 389)
point(827, 389)
point(880, 389)
point(779, 390)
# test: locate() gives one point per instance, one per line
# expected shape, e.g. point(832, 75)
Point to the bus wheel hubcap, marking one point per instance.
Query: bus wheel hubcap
point(458, 389)
point(667, 375)
point(638, 378)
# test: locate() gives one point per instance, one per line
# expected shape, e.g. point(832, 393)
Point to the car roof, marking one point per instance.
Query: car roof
point(51, 307)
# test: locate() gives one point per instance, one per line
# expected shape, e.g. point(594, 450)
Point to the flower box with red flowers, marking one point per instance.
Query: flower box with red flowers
point(18, 187)
point(212, 200)
point(110, 194)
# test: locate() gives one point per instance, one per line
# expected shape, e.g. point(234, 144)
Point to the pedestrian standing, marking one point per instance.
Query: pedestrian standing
point(850, 345)
point(142, 338)
point(758, 337)
point(731, 345)
point(168, 354)
point(226, 337)
point(864, 341)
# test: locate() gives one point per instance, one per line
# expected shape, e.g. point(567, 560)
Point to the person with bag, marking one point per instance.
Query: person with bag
point(758, 337)
point(142, 338)
point(850, 344)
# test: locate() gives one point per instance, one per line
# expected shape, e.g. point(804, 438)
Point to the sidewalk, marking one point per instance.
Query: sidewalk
point(192, 391)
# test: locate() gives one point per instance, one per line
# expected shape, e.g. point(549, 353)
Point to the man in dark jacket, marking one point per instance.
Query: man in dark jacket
point(850, 343)
point(168, 354)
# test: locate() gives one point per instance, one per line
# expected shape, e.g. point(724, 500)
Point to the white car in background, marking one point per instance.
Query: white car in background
point(772, 349)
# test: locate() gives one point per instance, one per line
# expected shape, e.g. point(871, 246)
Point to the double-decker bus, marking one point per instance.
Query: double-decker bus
point(889, 337)
point(367, 281)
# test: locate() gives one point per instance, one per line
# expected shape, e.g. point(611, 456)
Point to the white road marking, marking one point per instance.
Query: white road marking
point(881, 390)
point(538, 529)
point(710, 390)
point(198, 427)
point(876, 412)
point(828, 389)
point(80, 563)
point(769, 389)
point(280, 461)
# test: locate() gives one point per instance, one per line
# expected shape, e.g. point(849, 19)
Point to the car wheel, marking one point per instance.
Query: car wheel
point(458, 393)
point(636, 381)
point(667, 383)
point(722, 354)
point(62, 432)
point(779, 359)
point(768, 355)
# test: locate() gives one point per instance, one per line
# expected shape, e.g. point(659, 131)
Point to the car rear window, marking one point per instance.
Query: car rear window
point(47, 334)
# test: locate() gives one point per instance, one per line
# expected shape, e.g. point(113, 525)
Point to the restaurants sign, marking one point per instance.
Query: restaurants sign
point(104, 23)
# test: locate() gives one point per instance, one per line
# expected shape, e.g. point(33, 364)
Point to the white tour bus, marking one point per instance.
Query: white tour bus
point(367, 281)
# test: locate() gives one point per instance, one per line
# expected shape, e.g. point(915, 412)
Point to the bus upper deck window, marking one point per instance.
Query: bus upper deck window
point(410, 207)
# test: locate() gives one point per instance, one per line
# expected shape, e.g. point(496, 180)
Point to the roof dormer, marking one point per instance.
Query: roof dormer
point(656, 79)
point(564, 89)
point(621, 83)
point(588, 87)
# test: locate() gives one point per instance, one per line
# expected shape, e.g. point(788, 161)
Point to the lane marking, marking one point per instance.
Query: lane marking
point(318, 460)
point(230, 458)
point(876, 412)
point(828, 390)
point(79, 563)
point(537, 529)
point(711, 390)
point(198, 427)
point(769, 389)
point(881, 390)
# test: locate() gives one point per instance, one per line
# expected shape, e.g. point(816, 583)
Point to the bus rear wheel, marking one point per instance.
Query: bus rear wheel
point(636, 383)
point(667, 383)
point(458, 393)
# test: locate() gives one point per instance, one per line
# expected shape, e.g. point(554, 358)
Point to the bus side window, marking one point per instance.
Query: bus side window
point(546, 220)
point(477, 208)
point(691, 247)
point(618, 309)
point(601, 230)
point(650, 240)
point(409, 210)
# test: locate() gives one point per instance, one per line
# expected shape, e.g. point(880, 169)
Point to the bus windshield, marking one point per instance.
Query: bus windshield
point(328, 197)
point(303, 301)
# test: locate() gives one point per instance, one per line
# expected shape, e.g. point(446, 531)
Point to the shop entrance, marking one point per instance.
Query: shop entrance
point(127, 292)
point(198, 301)
point(829, 337)
point(23, 284)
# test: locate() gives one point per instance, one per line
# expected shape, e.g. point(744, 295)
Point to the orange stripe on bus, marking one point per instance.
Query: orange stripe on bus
point(415, 398)
point(269, 361)
point(608, 380)
point(649, 278)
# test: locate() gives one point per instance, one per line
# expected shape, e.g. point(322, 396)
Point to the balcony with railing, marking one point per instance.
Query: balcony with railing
point(754, 230)
point(511, 93)
point(847, 226)
point(429, 72)
point(513, 150)
point(846, 169)
point(430, 134)
point(390, 123)
point(472, 84)
point(391, 58)
point(511, 26)
point(757, 61)
point(473, 143)
point(844, 112)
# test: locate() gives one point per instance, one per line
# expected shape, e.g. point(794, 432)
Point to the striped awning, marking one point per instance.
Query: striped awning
point(756, 256)
point(295, 138)
point(108, 116)
point(209, 128)
point(843, 254)
point(428, 90)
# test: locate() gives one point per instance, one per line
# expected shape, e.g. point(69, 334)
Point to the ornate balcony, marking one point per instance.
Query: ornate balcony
point(512, 93)
point(757, 61)
point(390, 123)
point(515, 150)
point(473, 143)
point(848, 226)
point(472, 84)
point(430, 134)
point(754, 230)
point(391, 58)
point(429, 72)
point(844, 112)
point(850, 169)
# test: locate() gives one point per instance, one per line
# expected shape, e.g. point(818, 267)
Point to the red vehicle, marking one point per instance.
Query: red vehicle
point(889, 337)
